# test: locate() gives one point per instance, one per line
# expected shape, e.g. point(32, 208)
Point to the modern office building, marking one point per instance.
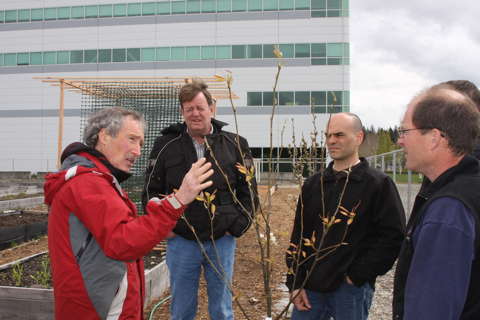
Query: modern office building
point(170, 38)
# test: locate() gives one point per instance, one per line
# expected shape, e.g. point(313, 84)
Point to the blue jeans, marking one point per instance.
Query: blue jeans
point(185, 262)
point(348, 302)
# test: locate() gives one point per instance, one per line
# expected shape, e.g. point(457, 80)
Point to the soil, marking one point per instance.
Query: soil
point(12, 219)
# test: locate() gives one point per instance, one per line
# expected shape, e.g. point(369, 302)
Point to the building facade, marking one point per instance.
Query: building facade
point(186, 38)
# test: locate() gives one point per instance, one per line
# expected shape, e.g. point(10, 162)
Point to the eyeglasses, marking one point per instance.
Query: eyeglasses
point(401, 132)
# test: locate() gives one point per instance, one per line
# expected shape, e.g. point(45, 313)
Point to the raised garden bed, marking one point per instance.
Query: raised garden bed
point(17, 226)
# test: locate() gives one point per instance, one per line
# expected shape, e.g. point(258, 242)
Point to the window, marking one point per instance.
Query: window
point(76, 56)
point(319, 98)
point(335, 97)
point(78, 12)
point(148, 54)
point(91, 11)
point(134, 9)
point(90, 56)
point(285, 98)
point(133, 54)
point(163, 8)
point(268, 98)
point(119, 55)
point(319, 50)
point(208, 52)
point(119, 10)
point(50, 57)
point(178, 7)
point(50, 13)
point(334, 49)
point(319, 4)
point(319, 61)
point(302, 4)
point(302, 50)
point(319, 109)
point(239, 51)
point(270, 5)
point(10, 59)
point(209, 6)
point(63, 13)
point(288, 50)
point(254, 5)
point(105, 10)
point(163, 54)
point(193, 6)
point(302, 98)
point(239, 5)
point(178, 53)
point(254, 51)
point(1, 59)
point(223, 52)
point(193, 53)
point(105, 55)
point(23, 15)
point(268, 51)
point(287, 4)
point(2, 16)
point(35, 58)
point(23, 59)
point(63, 57)
point(224, 5)
point(149, 8)
point(11, 16)
point(254, 98)
point(334, 4)
point(36, 14)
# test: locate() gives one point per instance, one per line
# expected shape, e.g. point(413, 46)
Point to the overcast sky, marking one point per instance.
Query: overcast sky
point(401, 47)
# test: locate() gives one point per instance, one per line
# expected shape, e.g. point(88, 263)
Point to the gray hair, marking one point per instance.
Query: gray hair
point(110, 119)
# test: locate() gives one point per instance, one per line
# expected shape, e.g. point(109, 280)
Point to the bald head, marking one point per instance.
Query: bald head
point(351, 120)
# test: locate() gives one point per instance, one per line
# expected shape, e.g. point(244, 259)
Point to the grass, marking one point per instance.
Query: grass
point(417, 178)
point(22, 195)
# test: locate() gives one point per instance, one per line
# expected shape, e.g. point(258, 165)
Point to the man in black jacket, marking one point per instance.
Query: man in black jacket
point(206, 234)
point(348, 229)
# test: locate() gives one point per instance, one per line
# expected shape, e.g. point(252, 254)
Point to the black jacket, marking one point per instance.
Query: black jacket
point(461, 182)
point(172, 156)
point(372, 240)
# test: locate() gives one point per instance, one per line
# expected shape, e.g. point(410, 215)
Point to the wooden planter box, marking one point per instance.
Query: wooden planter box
point(38, 304)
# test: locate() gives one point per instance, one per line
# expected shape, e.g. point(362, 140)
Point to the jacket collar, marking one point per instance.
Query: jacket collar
point(356, 172)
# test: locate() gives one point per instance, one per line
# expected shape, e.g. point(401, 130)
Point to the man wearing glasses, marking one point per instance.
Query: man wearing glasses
point(438, 272)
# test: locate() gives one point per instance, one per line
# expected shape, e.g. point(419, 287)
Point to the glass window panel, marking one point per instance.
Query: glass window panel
point(334, 109)
point(285, 98)
point(163, 7)
point(223, 52)
point(119, 55)
point(1, 59)
point(91, 11)
point(254, 98)
point(239, 52)
point(36, 58)
point(63, 57)
point(50, 13)
point(319, 61)
point(334, 4)
point(268, 98)
point(105, 55)
point(23, 59)
point(24, 15)
point(302, 4)
point(254, 5)
point(319, 50)
point(134, 9)
point(63, 13)
point(334, 98)
point(319, 98)
point(36, 14)
point(78, 12)
point(224, 5)
point(288, 50)
point(163, 54)
point(268, 51)
point(319, 109)
point(2, 16)
point(319, 4)
point(302, 98)
point(133, 54)
point(105, 10)
point(302, 50)
point(178, 7)
point(10, 59)
point(287, 4)
point(270, 5)
point(178, 53)
point(208, 52)
point(149, 8)
point(333, 13)
point(209, 6)
point(90, 56)
point(254, 51)
point(239, 5)
point(334, 61)
point(148, 54)
point(319, 14)
point(76, 56)
point(334, 49)
point(119, 10)
point(50, 57)
point(346, 98)
point(11, 16)
point(193, 6)
point(193, 53)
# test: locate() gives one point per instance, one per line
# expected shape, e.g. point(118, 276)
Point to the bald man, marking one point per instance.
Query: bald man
point(339, 283)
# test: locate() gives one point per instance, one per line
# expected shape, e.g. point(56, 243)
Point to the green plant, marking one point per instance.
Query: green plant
point(17, 274)
point(42, 277)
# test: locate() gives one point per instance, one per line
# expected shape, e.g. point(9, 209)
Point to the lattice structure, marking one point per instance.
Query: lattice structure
point(156, 99)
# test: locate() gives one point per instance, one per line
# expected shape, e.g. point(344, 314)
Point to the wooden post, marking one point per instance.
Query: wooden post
point(60, 122)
